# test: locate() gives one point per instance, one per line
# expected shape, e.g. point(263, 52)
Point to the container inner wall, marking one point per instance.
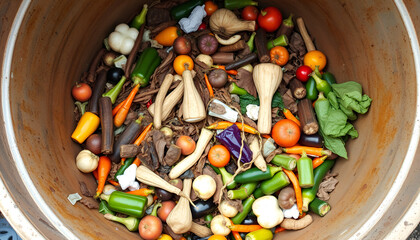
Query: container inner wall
point(59, 39)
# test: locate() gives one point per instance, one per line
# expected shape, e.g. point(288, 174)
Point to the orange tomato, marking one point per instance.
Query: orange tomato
point(285, 133)
point(219, 156)
point(165, 237)
point(186, 143)
point(210, 7)
point(279, 55)
point(217, 237)
point(167, 36)
point(183, 62)
point(315, 58)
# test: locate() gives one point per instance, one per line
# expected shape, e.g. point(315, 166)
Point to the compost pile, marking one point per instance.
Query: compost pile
point(207, 120)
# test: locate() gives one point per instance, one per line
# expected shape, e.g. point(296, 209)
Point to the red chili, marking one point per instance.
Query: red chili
point(149, 103)
point(202, 26)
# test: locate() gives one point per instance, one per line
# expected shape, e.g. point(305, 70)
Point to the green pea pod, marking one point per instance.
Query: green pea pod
point(122, 168)
point(148, 61)
point(139, 19)
point(262, 234)
point(247, 207)
point(254, 174)
point(237, 4)
point(184, 9)
point(329, 77)
point(279, 181)
point(311, 91)
point(129, 204)
point(305, 171)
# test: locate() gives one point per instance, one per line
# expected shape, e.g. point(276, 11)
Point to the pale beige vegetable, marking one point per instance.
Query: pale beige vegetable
point(267, 211)
point(220, 225)
point(226, 23)
point(248, 67)
point(180, 218)
point(171, 100)
point(267, 78)
point(146, 176)
point(108, 189)
point(227, 210)
point(256, 153)
point(150, 200)
point(193, 109)
point(123, 38)
point(200, 230)
point(229, 41)
point(206, 59)
point(86, 161)
point(186, 163)
point(292, 224)
point(306, 38)
point(204, 186)
point(166, 84)
point(167, 131)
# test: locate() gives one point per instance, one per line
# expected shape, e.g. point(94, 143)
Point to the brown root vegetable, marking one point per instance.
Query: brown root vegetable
point(182, 45)
point(240, 45)
point(292, 224)
point(287, 198)
point(218, 78)
point(306, 113)
point(108, 58)
point(223, 58)
point(226, 23)
point(93, 143)
point(207, 44)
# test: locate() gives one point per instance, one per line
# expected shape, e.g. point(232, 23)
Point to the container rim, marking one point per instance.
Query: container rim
point(25, 229)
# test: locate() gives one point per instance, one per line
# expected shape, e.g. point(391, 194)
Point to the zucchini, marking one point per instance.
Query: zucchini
point(320, 207)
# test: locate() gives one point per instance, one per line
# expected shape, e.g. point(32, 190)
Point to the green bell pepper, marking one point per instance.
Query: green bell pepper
point(113, 93)
point(236, 4)
point(305, 171)
point(123, 167)
point(243, 192)
point(247, 207)
point(139, 19)
point(254, 174)
point(126, 203)
point(311, 91)
point(147, 63)
point(184, 9)
point(279, 181)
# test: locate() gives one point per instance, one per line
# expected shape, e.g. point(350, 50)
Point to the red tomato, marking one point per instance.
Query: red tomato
point(202, 26)
point(285, 133)
point(150, 227)
point(81, 92)
point(302, 73)
point(270, 19)
point(250, 13)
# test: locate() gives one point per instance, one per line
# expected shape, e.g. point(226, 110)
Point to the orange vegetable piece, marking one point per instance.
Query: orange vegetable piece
point(183, 62)
point(315, 58)
point(219, 156)
point(210, 7)
point(168, 36)
point(279, 55)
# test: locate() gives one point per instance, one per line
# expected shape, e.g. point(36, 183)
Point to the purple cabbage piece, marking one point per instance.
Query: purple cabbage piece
point(231, 139)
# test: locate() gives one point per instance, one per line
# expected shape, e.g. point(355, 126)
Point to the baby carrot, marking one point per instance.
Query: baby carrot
point(279, 229)
point(233, 71)
point(244, 228)
point(298, 190)
point(309, 150)
point(209, 86)
point(237, 236)
point(116, 108)
point(226, 124)
point(121, 115)
point(104, 167)
point(290, 116)
point(142, 192)
point(318, 161)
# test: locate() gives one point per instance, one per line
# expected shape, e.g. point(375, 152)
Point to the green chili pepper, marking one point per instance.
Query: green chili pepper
point(279, 181)
point(235, 89)
point(125, 203)
point(280, 41)
point(113, 93)
point(243, 192)
point(250, 42)
point(226, 176)
point(123, 167)
point(140, 19)
point(247, 207)
point(321, 85)
point(258, 193)
point(148, 61)
point(184, 9)
point(104, 208)
point(262, 234)
point(329, 77)
point(284, 161)
point(236, 4)
point(311, 91)
point(254, 174)
point(208, 219)
point(305, 171)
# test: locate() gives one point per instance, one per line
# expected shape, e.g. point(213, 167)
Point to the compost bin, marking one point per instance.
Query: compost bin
point(47, 45)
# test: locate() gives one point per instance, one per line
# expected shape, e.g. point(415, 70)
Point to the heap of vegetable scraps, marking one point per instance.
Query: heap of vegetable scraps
point(198, 126)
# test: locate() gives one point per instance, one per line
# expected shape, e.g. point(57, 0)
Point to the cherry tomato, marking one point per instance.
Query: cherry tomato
point(302, 73)
point(219, 156)
point(210, 7)
point(81, 92)
point(285, 133)
point(250, 13)
point(186, 143)
point(270, 19)
point(183, 62)
point(315, 58)
point(202, 26)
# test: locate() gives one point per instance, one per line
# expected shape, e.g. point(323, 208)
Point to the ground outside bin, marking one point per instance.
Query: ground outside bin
point(46, 46)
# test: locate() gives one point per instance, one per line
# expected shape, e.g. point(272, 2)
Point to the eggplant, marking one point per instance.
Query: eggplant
point(202, 208)
point(314, 140)
point(163, 194)
point(114, 75)
point(250, 220)
point(97, 91)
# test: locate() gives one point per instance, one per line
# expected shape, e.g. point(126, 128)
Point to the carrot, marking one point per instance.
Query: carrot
point(279, 229)
point(318, 161)
point(226, 124)
point(116, 108)
point(266, 136)
point(237, 236)
point(121, 115)
point(290, 116)
point(244, 228)
point(233, 71)
point(209, 86)
point(142, 192)
point(113, 182)
point(309, 150)
point(298, 190)
point(104, 167)
point(140, 139)
point(137, 161)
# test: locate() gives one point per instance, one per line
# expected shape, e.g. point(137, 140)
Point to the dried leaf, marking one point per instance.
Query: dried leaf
point(246, 81)
point(172, 155)
point(85, 190)
point(160, 142)
point(290, 102)
point(327, 185)
point(129, 150)
point(297, 44)
point(90, 203)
